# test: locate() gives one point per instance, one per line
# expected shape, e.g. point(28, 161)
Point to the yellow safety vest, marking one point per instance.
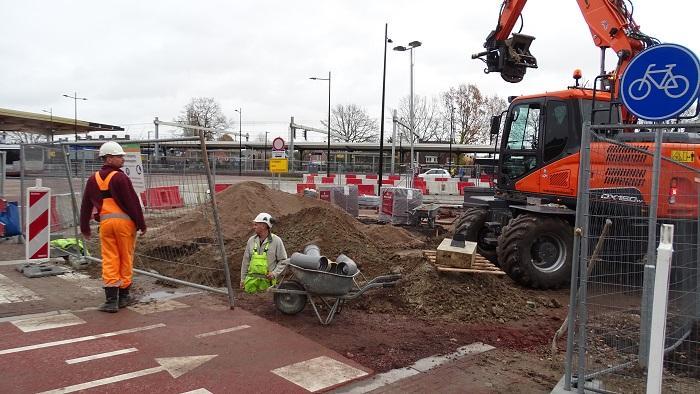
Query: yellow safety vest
point(255, 280)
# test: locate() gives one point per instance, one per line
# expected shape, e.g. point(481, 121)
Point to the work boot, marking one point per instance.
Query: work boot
point(124, 297)
point(112, 303)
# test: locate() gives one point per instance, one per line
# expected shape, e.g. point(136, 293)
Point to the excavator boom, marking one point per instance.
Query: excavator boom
point(609, 21)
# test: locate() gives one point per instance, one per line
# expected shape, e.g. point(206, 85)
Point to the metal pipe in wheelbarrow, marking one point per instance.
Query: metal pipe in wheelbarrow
point(312, 250)
point(346, 265)
point(309, 262)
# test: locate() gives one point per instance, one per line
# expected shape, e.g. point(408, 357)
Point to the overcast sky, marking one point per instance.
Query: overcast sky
point(135, 60)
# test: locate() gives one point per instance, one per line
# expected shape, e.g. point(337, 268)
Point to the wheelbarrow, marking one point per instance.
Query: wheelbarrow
point(427, 212)
point(322, 288)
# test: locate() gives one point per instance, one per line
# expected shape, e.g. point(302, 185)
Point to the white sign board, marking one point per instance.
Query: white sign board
point(133, 168)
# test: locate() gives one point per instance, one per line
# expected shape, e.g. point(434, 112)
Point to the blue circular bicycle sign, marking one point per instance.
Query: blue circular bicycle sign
point(661, 82)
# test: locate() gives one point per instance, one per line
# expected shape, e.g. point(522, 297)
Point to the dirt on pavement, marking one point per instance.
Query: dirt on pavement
point(427, 313)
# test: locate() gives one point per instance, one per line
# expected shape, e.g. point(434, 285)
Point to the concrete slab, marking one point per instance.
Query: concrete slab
point(48, 322)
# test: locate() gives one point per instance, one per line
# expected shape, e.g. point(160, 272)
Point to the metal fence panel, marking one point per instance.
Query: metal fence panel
point(176, 200)
point(617, 263)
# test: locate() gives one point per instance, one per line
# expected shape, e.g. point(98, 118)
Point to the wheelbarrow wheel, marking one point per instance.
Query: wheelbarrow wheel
point(287, 303)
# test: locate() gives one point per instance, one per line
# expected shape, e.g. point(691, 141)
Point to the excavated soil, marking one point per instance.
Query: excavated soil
point(427, 313)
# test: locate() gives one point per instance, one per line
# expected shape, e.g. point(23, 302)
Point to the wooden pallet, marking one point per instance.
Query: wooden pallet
point(480, 266)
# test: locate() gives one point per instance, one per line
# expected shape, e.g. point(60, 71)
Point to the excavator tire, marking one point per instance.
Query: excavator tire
point(471, 224)
point(536, 251)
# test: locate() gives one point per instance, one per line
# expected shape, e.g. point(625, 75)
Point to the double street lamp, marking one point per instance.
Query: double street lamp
point(328, 149)
point(240, 140)
point(75, 106)
point(401, 48)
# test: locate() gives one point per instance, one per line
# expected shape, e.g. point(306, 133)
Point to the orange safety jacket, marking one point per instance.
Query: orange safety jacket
point(110, 209)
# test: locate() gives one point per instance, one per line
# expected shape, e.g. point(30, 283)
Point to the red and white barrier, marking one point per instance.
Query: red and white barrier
point(38, 222)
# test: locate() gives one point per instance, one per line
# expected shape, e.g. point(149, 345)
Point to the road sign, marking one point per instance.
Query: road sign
point(279, 165)
point(661, 82)
point(133, 167)
point(278, 144)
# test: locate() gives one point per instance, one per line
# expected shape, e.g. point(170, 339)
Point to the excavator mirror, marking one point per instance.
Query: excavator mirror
point(495, 124)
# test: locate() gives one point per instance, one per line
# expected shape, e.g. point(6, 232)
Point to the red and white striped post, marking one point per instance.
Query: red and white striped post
point(38, 222)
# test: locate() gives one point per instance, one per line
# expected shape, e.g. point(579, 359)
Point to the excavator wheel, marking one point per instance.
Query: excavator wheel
point(536, 251)
point(471, 225)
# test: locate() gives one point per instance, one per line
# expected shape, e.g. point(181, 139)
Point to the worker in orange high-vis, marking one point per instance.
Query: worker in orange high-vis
point(110, 192)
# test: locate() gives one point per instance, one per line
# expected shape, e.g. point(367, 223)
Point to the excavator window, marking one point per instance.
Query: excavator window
point(557, 128)
point(524, 127)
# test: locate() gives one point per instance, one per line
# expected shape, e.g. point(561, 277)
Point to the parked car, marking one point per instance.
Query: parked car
point(435, 173)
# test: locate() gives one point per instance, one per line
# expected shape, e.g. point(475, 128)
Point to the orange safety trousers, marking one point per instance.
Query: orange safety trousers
point(117, 237)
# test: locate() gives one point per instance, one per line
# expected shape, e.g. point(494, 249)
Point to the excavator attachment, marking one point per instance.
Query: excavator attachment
point(511, 57)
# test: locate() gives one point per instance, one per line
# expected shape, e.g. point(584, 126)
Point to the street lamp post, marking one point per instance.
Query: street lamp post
point(240, 140)
point(401, 48)
point(50, 112)
point(75, 108)
point(328, 148)
point(452, 132)
point(265, 153)
point(381, 119)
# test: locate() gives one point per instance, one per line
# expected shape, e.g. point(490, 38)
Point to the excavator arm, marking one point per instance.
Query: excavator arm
point(610, 22)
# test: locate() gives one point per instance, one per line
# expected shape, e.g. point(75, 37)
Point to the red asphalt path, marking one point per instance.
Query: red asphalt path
point(243, 363)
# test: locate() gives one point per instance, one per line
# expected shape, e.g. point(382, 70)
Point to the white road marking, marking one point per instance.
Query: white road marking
point(199, 391)
point(12, 292)
point(318, 373)
point(83, 281)
point(175, 366)
point(101, 355)
point(158, 306)
point(48, 322)
point(79, 339)
point(224, 331)
point(416, 368)
point(51, 313)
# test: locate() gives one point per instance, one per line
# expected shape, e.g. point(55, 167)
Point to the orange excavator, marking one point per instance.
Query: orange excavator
point(526, 226)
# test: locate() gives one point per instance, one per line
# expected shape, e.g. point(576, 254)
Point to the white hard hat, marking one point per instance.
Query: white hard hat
point(264, 218)
point(111, 148)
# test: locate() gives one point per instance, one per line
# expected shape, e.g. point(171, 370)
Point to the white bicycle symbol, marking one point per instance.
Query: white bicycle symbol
point(673, 85)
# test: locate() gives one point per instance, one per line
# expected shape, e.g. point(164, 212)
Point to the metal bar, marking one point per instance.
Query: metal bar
point(650, 126)
point(186, 126)
point(217, 222)
point(3, 163)
point(582, 194)
point(659, 309)
point(22, 199)
point(94, 142)
point(583, 282)
point(648, 285)
point(169, 279)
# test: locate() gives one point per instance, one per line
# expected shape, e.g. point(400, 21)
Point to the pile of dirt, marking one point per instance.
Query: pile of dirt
point(300, 220)
point(377, 249)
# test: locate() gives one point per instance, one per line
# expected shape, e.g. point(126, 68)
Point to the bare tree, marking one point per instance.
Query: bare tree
point(469, 111)
point(203, 112)
point(426, 118)
point(350, 123)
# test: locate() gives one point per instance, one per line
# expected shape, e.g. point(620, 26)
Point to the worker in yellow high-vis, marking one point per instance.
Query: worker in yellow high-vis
point(110, 192)
point(265, 257)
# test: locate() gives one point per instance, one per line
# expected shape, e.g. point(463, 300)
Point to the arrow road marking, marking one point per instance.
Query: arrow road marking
point(80, 339)
point(175, 366)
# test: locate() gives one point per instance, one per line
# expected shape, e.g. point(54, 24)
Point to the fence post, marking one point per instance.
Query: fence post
point(647, 296)
point(219, 235)
point(76, 222)
point(583, 182)
point(658, 312)
point(22, 201)
point(3, 160)
point(584, 205)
